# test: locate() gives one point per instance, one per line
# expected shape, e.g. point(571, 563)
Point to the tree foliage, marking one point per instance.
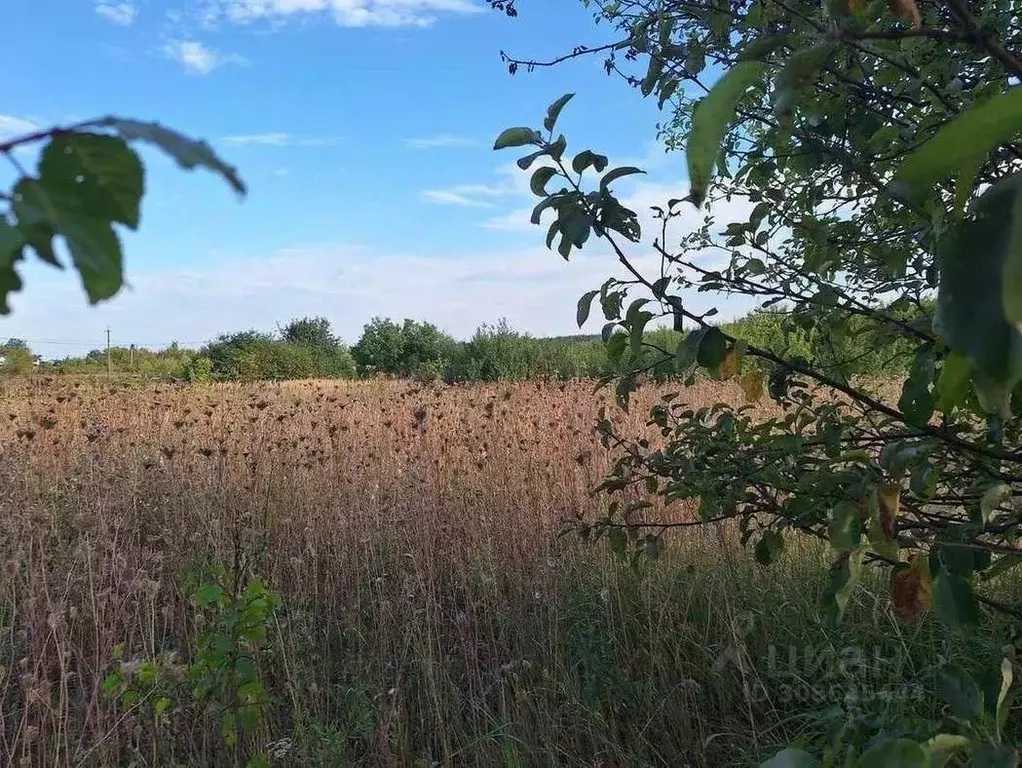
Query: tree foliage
point(872, 148)
point(87, 180)
point(305, 348)
point(16, 357)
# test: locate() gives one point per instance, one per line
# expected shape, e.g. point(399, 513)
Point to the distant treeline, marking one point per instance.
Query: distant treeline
point(308, 348)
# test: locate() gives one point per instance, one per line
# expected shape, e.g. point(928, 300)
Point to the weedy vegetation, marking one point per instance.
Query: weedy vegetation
point(376, 572)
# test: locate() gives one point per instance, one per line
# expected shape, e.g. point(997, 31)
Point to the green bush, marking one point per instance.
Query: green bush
point(16, 358)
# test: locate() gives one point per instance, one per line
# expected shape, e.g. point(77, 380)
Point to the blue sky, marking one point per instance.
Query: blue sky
point(364, 131)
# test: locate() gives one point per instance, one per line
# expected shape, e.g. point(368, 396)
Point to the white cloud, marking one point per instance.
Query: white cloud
point(197, 58)
point(509, 184)
point(122, 14)
point(532, 287)
point(11, 126)
point(261, 139)
point(346, 13)
point(452, 197)
point(279, 139)
point(442, 140)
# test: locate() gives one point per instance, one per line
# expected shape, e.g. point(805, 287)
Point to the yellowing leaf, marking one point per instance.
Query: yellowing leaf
point(888, 498)
point(909, 11)
point(752, 385)
point(881, 515)
point(732, 361)
point(912, 589)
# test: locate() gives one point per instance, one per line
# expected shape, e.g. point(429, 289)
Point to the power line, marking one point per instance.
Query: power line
point(97, 344)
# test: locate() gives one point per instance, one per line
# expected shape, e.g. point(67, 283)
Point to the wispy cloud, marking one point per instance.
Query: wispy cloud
point(122, 14)
point(509, 186)
point(346, 13)
point(451, 197)
point(15, 126)
point(278, 139)
point(455, 290)
point(196, 58)
point(443, 140)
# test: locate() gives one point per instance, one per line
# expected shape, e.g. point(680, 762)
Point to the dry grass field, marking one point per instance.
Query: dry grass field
point(429, 613)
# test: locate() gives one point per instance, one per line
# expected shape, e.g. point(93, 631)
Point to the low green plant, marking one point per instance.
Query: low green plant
point(973, 729)
point(234, 625)
point(233, 618)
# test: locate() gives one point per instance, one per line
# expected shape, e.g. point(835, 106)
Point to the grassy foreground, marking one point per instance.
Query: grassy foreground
point(429, 614)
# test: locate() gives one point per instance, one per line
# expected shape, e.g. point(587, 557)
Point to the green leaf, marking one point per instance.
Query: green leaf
point(688, 350)
point(923, 481)
point(586, 158)
point(969, 312)
point(554, 111)
point(957, 688)
point(635, 334)
point(971, 135)
point(556, 149)
point(916, 402)
point(540, 178)
point(208, 594)
point(964, 182)
point(667, 88)
point(526, 162)
point(94, 246)
point(229, 728)
point(893, 753)
point(12, 244)
point(761, 48)
point(711, 118)
point(769, 547)
point(188, 153)
point(519, 136)
point(845, 528)
point(102, 170)
point(953, 382)
point(712, 348)
point(992, 498)
point(791, 758)
point(1011, 286)
point(576, 226)
point(616, 344)
point(942, 747)
point(584, 305)
point(617, 173)
point(842, 579)
point(799, 73)
point(245, 670)
point(955, 558)
point(656, 68)
point(953, 600)
point(618, 542)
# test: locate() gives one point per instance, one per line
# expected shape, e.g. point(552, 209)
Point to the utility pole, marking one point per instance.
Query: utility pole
point(109, 369)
